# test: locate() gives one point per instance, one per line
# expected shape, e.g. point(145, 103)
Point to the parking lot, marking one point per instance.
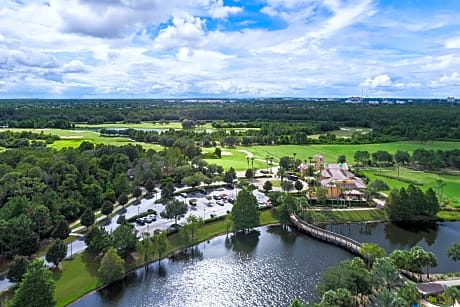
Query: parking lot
point(208, 205)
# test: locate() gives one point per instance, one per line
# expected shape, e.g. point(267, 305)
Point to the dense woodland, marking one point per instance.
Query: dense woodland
point(278, 119)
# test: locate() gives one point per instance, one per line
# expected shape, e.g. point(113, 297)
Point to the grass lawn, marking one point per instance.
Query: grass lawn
point(449, 215)
point(77, 277)
point(231, 157)
point(331, 152)
point(143, 125)
point(343, 216)
point(344, 132)
point(73, 138)
point(450, 190)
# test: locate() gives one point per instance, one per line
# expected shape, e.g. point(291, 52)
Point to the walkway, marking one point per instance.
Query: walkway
point(435, 287)
point(327, 236)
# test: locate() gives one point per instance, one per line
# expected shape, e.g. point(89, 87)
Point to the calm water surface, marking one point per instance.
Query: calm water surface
point(265, 268)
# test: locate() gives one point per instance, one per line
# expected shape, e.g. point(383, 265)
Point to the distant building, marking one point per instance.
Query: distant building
point(451, 99)
point(338, 181)
point(354, 100)
point(374, 102)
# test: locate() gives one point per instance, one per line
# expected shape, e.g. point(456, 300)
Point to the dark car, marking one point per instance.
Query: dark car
point(140, 222)
point(217, 197)
point(231, 200)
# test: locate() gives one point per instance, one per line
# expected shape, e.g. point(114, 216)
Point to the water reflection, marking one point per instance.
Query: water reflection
point(288, 235)
point(244, 242)
point(410, 234)
point(191, 253)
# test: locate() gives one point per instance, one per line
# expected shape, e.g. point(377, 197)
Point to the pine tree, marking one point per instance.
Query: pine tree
point(61, 231)
point(245, 212)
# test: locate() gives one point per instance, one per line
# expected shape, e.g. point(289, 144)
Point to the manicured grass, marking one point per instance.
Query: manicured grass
point(449, 215)
point(73, 138)
point(77, 277)
point(237, 159)
point(331, 152)
point(344, 216)
point(344, 132)
point(450, 190)
point(143, 125)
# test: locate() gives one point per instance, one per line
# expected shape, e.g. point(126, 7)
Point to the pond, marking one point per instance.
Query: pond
point(267, 267)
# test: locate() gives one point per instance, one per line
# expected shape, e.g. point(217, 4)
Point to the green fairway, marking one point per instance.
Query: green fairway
point(354, 216)
point(73, 138)
point(344, 132)
point(231, 157)
point(450, 190)
point(331, 152)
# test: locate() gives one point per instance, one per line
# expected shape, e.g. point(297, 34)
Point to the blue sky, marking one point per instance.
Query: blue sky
point(238, 48)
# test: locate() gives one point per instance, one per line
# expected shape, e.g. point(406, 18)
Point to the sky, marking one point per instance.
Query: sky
point(236, 48)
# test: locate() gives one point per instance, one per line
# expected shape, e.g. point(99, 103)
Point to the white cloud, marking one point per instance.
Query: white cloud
point(453, 43)
point(184, 31)
point(378, 81)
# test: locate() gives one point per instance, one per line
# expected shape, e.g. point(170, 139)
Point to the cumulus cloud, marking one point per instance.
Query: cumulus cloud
point(378, 81)
point(453, 43)
point(185, 31)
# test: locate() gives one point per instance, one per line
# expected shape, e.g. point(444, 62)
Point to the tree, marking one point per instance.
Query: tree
point(453, 293)
point(112, 266)
point(167, 190)
point(121, 184)
point(228, 223)
point(228, 178)
point(249, 174)
point(61, 231)
point(174, 209)
point(124, 239)
point(281, 173)
point(408, 294)
point(400, 259)
point(190, 229)
point(160, 241)
point(136, 192)
point(287, 186)
point(371, 252)
point(267, 186)
point(285, 162)
point(402, 157)
point(245, 212)
point(218, 152)
point(40, 215)
point(122, 200)
point(342, 159)
point(298, 185)
point(145, 247)
point(150, 185)
point(56, 252)
point(378, 185)
point(87, 218)
point(98, 240)
point(17, 269)
point(386, 298)
point(338, 298)
point(107, 208)
point(296, 303)
point(36, 289)
point(384, 273)
point(453, 252)
point(362, 157)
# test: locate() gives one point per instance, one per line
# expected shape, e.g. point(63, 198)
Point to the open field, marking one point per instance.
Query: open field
point(156, 125)
point(237, 159)
point(73, 138)
point(354, 216)
point(344, 132)
point(331, 152)
point(450, 190)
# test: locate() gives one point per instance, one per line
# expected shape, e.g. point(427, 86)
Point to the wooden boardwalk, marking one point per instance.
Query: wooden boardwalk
point(326, 235)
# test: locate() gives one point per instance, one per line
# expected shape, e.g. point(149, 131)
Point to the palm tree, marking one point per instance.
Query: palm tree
point(281, 173)
point(453, 293)
point(440, 185)
point(386, 298)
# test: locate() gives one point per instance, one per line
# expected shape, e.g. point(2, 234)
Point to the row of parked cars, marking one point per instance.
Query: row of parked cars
point(146, 219)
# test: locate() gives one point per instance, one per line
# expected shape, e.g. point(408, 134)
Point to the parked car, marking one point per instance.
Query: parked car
point(212, 215)
point(231, 200)
point(220, 202)
point(140, 222)
point(184, 195)
point(148, 220)
point(216, 197)
point(264, 171)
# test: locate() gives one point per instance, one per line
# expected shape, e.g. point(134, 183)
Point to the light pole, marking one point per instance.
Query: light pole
point(71, 250)
point(204, 213)
point(137, 210)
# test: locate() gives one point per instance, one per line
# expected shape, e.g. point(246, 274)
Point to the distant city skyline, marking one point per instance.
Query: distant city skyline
point(229, 49)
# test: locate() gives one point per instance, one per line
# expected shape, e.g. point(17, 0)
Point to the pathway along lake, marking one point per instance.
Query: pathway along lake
point(268, 267)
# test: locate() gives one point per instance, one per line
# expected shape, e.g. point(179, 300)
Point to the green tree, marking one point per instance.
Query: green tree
point(145, 248)
point(453, 252)
point(36, 289)
point(228, 178)
point(160, 241)
point(56, 252)
point(87, 218)
point(122, 200)
point(287, 185)
point(228, 223)
point(386, 298)
point(371, 252)
point(190, 229)
point(17, 269)
point(384, 273)
point(281, 173)
point(167, 190)
point(150, 185)
point(453, 293)
point(245, 212)
point(136, 192)
point(249, 173)
point(61, 231)
point(267, 186)
point(362, 157)
point(107, 208)
point(174, 209)
point(337, 298)
point(98, 240)
point(112, 267)
point(121, 184)
point(342, 159)
point(298, 185)
point(40, 215)
point(400, 259)
point(124, 239)
point(408, 294)
point(296, 303)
